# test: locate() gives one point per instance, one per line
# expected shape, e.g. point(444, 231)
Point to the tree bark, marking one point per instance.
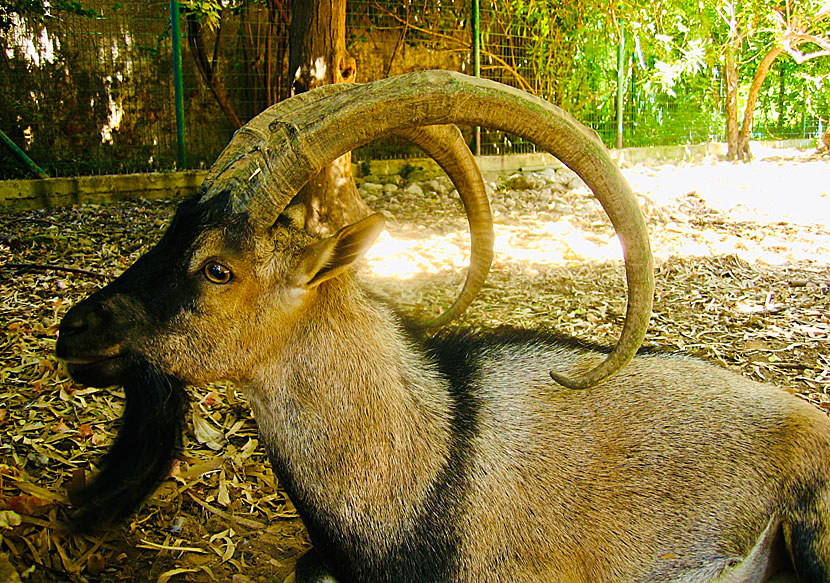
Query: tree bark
point(752, 99)
point(731, 79)
point(317, 56)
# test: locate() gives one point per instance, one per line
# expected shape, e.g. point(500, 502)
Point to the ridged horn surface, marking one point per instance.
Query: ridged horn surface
point(277, 153)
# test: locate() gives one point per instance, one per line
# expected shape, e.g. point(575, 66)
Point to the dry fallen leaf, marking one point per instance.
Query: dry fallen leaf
point(206, 432)
point(61, 427)
point(95, 564)
point(167, 575)
point(9, 518)
point(544, 274)
point(26, 504)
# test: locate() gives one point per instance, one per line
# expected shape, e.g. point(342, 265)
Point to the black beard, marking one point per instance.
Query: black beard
point(142, 455)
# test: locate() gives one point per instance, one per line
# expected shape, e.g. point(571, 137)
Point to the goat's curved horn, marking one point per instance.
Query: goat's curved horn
point(263, 173)
point(445, 145)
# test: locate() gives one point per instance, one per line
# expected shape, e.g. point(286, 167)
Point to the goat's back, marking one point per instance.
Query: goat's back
point(673, 463)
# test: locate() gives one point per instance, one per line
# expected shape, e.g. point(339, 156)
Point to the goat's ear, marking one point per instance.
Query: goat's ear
point(332, 256)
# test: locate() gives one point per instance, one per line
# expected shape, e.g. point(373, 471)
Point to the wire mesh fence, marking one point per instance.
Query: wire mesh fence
point(86, 96)
point(93, 93)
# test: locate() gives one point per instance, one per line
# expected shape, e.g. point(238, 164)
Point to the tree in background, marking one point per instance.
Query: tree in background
point(39, 10)
point(682, 59)
point(292, 47)
point(261, 27)
point(799, 30)
point(736, 41)
point(318, 56)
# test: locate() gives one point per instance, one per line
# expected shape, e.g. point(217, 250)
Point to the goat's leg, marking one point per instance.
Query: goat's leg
point(311, 569)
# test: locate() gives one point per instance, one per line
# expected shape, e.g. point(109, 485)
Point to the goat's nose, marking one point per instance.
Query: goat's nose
point(79, 319)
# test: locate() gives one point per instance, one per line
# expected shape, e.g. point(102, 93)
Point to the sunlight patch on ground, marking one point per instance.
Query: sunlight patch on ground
point(757, 246)
point(770, 188)
point(560, 243)
point(538, 242)
point(774, 210)
point(553, 243)
point(405, 257)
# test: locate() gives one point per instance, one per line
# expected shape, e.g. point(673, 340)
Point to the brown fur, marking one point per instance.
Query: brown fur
point(670, 471)
point(674, 470)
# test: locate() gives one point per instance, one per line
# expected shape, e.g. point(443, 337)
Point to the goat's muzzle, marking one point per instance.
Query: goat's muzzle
point(86, 344)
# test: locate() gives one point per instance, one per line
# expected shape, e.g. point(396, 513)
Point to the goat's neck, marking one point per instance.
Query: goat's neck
point(354, 417)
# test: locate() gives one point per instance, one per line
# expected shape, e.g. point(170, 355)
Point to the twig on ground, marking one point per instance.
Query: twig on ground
point(44, 267)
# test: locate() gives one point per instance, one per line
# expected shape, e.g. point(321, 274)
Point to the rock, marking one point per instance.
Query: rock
point(417, 174)
point(549, 175)
point(434, 185)
point(372, 179)
point(392, 179)
point(568, 177)
point(390, 188)
point(557, 187)
point(372, 187)
point(446, 183)
point(413, 188)
point(549, 216)
point(525, 181)
point(518, 181)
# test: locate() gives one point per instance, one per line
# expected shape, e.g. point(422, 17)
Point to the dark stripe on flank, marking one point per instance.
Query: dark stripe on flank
point(429, 552)
point(807, 537)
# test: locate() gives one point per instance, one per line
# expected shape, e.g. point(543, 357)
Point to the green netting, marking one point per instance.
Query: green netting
point(93, 93)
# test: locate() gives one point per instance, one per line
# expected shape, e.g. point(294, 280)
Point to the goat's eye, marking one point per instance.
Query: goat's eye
point(217, 273)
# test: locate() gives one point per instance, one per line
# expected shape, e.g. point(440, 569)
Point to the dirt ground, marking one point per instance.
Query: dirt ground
point(743, 279)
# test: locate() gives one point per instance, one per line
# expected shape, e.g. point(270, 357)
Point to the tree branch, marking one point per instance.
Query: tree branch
point(793, 40)
point(195, 41)
point(523, 84)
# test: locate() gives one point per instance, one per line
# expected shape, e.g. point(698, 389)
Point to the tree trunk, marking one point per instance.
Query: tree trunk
point(752, 100)
point(317, 56)
point(731, 70)
point(781, 93)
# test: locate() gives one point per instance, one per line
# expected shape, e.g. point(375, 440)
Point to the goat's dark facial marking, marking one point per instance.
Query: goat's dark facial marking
point(209, 272)
point(99, 336)
point(214, 283)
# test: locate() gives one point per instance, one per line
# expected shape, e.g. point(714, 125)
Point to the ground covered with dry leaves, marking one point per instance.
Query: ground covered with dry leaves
point(743, 279)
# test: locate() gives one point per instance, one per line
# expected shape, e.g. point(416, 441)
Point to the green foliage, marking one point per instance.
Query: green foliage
point(209, 12)
point(39, 10)
point(407, 170)
point(565, 52)
point(533, 44)
point(795, 99)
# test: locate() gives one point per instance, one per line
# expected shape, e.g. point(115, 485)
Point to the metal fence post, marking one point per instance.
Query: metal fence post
point(181, 150)
point(477, 62)
point(21, 156)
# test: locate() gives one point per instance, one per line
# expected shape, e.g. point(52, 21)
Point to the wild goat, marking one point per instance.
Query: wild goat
point(452, 457)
